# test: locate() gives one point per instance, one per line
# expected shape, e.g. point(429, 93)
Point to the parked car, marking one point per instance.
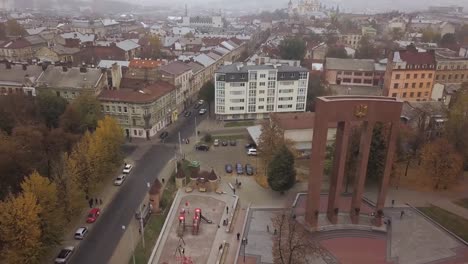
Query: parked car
point(120, 179)
point(200, 102)
point(250, 145)
point(81, 232)
point(252, 152)
point(163, 135)
point(202, 147)
point(228, 168)
point(93, 215)
point(127, 168)
point(239, 168)
point(188, 113)
point(249, 169)
point(233, 142)
point(202, 111)
point(64, 255)
point(224, 143)
point(216, 142)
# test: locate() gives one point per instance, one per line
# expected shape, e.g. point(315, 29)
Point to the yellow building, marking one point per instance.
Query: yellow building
point(410, 74)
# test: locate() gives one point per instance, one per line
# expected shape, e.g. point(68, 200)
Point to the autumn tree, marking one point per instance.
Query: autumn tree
point(80, 167)
point(281, 172)
point(366, 49)
point(51, 108)
point(292, 243)
point(457, 124)
point(207, 93)
point(292, 49)
point(15, 29)
point(429, 35)
point(270, 140)
point(442, 163)
point(377, 153)
point(51, 215)
point(448, 40)
point(20, 230)
point(82, 114)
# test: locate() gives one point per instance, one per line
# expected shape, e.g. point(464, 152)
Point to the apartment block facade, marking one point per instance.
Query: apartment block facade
point(410, 74)
point(451, 68)
point(254, 91)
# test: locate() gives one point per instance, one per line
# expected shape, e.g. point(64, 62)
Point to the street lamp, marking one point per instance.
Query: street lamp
point(133, 244)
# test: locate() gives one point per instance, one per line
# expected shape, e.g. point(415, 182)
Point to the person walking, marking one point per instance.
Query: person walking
point(238, 236)
point(268, 228)
point(393, 203)
point(402, 214)
point(227, 209)
point(100, 201)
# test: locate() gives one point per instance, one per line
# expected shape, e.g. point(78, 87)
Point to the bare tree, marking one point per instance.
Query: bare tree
point(292, 243)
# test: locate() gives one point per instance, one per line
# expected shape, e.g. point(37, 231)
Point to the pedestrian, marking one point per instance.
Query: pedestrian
point(234, 190)
point(393, 203)
point(237, 182)
point(162, 180)
point(274, 233)
point(268, 228)
point(90, 201)
point(218, 226)
point(401, 214)
point(244, 241)
point(227, 209)
point(238, 235)
point(96, 201)
point(100, 201)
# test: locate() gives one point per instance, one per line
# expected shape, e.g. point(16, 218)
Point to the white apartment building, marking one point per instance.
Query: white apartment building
point(253, 91)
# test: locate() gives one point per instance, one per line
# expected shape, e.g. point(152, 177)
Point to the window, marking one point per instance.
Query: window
point(456, 76)
point(220, 85)
point(262, 75)
point(415, 76)
point(303, 75)
point(406, 85)
point(300, 106)
point(271, 92)
point(443, 77)
point(449, 76)
point(125, 109)
point(253, 85)
point(301, 91)
point(419, 94)
point(270, 107)
point(421, 85)
point(360, 74)
point(423, 75)
point(286, 91)
point(301, 99)
point(252, 100)
point(360, 81)
point(107, 108)
point(119, 109)
point(236, 92)
point(253, 76)
point(413, 85)
point(271, 75)
point(411, 94)
point(462, 76)
point(286, 83)
point(394, 95)
point(238, 84)
point(261, 107)
point(220, 109)
point(261, 99)
point(346, 80)
point(261, 91)
point(251, 108)
point(102, 108)
point(285, 98)
point(428, 85)
point(270, 100)
point(302, 83)
point(348, 73)
point(397, 76)
point(252, 92)
point(271, 84)
point(220, 101)
point(236, 108)
point(261, 84)
point(395, 86)
point(404, 95)
point(407, 76)
point(237, 100)
point(430, 75)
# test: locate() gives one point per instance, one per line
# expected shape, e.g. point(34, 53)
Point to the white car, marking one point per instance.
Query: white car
point(81, 232)
point(252, 152)
point(120, 179)
point(202, 111)
point(216, 142)
point(127, 169)
point(64, 255)
point(200, 102)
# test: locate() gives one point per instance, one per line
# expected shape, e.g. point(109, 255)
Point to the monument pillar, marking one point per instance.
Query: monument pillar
point(319, 142)
point(360, 177)
point(339, 162)
point(391, 146)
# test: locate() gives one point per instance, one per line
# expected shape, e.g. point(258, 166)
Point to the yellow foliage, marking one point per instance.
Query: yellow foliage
point(20, 229)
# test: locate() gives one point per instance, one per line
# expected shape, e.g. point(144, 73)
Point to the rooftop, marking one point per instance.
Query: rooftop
point(175, 68)
point(146, 94)
point(16, 74)
point(300, 120)
point(242, 68)
point(145, 64)
point(349, 64)
point(414, 57)
point(127, 45)
point(72, 78)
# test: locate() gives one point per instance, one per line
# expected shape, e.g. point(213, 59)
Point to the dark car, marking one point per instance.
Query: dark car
point(250, 146)
point(228, 168)
point(163, 135)
point(249, 169)
point(224, 143)
point(239, 168)
point(64, 255)
point(188, 113)
point(202, 147)
point(233, 142)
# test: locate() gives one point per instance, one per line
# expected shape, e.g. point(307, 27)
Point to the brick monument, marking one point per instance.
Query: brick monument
point(347, 110)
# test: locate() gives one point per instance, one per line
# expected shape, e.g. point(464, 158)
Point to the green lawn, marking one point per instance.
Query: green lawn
point(462, 202)
point(452, 222)
point(239, 123)
point(155, 224)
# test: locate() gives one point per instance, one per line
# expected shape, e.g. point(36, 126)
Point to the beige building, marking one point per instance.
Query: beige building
point(351, 72)
point(141, 112)
point(15, 79)
point(178, 74)
point(351, 40)
point(57, 53)
point(451, 68)
point(71, 82)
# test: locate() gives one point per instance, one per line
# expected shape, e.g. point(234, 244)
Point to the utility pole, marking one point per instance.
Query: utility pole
point(142, 228)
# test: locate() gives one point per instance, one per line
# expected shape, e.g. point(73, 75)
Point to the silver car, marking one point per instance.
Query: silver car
point(119, 180)
point(64, 255)
point(81, 233)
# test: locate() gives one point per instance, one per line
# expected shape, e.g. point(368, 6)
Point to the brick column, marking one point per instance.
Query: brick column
point(336, 179)
point(317, 160)
point(358, 186)
point(391, 146)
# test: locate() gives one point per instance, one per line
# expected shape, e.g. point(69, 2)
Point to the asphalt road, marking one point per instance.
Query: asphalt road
point(102, 240)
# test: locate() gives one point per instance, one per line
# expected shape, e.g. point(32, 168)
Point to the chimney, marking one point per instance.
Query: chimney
point(25, 67)
point(83, 69)
point(64, 68)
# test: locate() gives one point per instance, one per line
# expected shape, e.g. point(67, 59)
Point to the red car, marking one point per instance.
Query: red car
point(93, 215)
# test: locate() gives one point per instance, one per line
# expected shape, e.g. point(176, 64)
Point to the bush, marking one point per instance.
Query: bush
point(208, 138)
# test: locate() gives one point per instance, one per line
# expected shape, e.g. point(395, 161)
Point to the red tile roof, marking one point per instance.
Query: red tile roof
point(415, 57)
point(145, 64)
point(146, 94)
